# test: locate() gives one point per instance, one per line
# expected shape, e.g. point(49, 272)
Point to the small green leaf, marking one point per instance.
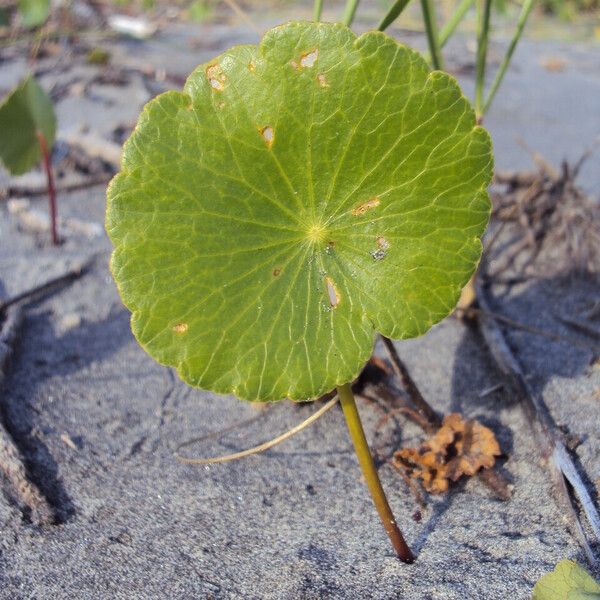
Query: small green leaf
point(568, 581)
point(4, 17)
point(98, 56)
point(34, 12)
point(200, 11)
point(25, 111)
point(297, 198)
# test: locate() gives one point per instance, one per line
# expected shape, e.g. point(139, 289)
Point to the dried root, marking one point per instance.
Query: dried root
point(546, 210)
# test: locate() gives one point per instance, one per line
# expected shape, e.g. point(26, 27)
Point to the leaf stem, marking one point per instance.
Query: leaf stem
point(392, 14)
point(482, 46)
point(525, 11)
point(317, 10)
point(51, 189)
point(431, 29)
point(367, 465)
point(448, 29)
point(350, 11)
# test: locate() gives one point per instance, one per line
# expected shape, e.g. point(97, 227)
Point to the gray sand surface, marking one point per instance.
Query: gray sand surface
point(296, 521)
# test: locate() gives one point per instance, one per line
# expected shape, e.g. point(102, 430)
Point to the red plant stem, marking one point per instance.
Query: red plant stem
point(51, 188)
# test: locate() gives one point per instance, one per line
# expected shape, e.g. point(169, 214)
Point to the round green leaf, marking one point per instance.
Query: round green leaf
point(297, 198)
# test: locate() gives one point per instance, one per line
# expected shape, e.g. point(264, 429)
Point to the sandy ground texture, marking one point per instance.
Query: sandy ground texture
point(98, 421)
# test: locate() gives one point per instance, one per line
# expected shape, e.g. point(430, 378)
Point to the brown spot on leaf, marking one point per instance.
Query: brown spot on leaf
point(460, 447)
point(251, 67)
point(322, 80)
point(216, 77)
point(276, 272)
point(382, 243)
point(180, 328)
point(361, 209)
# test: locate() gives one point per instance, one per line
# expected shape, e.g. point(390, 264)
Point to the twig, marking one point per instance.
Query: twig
point(593, 312)
point(60, 188)
point(410, 386)
point(579, 326)
point(48, 286)
point(410, 483)
point(552, 446)
point(261, 447)
point(11, 461)
point(472, 312)
point(413, 415)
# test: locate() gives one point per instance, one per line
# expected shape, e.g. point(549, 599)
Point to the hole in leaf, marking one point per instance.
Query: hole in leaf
point(268, 135)
point(332, 293)
point(180, 328)
point(216, 77)
point(309, 59)
point(382, 247)
point(365, 206)
point(322, 80)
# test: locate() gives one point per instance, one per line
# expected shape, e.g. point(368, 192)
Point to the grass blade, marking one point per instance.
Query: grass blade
point(482, 46)
point(458, 15)
point(392, 14)
point(525, 12)
point(432, 34)
point(317, 10)
point(350, 11)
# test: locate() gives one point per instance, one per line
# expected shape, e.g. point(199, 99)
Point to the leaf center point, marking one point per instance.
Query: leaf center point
point(316, 233)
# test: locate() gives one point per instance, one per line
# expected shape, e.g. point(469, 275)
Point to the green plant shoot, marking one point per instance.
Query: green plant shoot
point(27, 131)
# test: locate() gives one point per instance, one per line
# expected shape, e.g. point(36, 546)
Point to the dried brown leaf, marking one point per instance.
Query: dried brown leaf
point(459, 447)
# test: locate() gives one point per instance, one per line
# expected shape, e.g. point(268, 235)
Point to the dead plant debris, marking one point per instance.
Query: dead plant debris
point(459, 447)
point(546, 210)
